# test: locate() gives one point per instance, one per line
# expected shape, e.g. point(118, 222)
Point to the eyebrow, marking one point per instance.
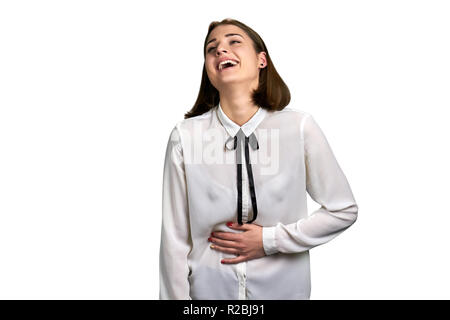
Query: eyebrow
point(227, 35)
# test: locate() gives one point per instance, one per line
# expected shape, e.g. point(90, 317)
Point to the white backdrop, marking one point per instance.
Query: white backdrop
point(90, 90)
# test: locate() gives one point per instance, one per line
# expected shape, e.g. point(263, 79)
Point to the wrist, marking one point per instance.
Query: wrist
point(269, 240)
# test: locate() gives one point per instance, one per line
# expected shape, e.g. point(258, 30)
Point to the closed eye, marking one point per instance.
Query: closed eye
point(210, 48)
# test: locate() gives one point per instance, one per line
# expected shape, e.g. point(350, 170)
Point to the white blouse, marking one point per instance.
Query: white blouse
point(288, 156)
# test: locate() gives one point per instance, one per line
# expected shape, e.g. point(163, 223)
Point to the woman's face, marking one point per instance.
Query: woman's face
point(231, 42)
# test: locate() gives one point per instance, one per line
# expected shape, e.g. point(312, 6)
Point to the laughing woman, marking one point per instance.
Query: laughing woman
point(237, 171)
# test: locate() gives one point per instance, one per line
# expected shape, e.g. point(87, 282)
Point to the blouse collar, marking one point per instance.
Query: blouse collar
point(232, 128)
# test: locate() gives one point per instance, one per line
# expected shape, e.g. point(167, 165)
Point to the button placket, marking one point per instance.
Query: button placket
point(245, 211)
point(245, 192)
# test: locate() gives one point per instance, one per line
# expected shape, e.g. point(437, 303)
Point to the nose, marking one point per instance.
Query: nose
point(220, 50)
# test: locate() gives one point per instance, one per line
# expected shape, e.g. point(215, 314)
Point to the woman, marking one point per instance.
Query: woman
point(237, 168)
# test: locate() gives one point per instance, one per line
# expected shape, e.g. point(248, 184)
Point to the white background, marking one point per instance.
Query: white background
point(90, 90)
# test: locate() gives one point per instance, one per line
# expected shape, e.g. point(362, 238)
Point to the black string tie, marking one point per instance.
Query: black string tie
point(238, 138)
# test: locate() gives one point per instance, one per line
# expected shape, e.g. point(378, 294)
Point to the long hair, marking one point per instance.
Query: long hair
point(272, 93)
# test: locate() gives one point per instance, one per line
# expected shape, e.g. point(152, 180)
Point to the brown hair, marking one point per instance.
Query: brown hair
point(272, 93)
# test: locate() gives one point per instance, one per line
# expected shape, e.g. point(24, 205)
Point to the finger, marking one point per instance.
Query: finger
point(226, 235)
point(225, 243)
point(234, 260)
point(224, 249)
point(237, 226)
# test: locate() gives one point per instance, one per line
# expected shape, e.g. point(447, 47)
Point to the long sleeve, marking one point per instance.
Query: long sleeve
point(176, 241)
point(328, 186)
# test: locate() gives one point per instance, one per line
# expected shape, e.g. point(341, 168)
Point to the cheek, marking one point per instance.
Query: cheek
point(210, 68)
point(250, 67)
point(211, 73)
point(249, 62)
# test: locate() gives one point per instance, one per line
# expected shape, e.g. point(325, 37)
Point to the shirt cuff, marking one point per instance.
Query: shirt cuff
point(269, 243)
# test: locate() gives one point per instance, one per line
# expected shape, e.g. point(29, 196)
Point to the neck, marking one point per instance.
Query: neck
point(238, 107)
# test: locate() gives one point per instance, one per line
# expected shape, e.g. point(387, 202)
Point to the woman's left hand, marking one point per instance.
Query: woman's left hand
point(246, 245)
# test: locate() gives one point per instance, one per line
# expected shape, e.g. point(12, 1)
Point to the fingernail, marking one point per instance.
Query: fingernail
point(209, 239)
point(221, 261)
point(212, 246)
point(212, 233)
point(229, 224)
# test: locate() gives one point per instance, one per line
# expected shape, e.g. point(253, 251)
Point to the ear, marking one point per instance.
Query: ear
point(262, 59)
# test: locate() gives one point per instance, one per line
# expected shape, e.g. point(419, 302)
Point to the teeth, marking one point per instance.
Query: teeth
point(225, 62)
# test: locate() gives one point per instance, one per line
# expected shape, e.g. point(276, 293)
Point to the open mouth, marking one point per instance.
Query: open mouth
point(229, 64)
